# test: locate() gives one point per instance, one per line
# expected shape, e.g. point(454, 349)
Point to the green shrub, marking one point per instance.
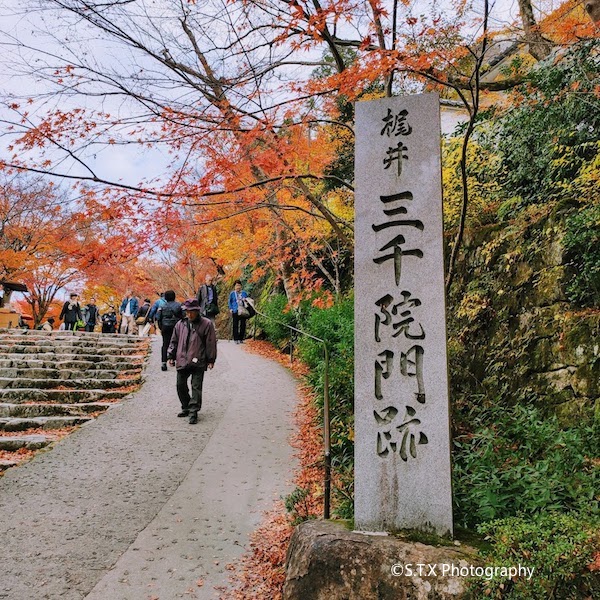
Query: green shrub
point(518, 462)
point(298, 506)
point(278, 315)
point(336, 326)
point(560, 547)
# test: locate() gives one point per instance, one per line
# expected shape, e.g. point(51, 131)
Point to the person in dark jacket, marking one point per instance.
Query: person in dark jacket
point(167, 317)
point(208, 299)
point(92, 315)
point(109, 320)
point(193, 350)
point(71, 312)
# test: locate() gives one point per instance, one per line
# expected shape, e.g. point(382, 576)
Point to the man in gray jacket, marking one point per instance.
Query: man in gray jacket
point(192, 350)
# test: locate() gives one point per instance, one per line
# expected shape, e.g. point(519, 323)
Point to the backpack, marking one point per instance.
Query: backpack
point(168, 316)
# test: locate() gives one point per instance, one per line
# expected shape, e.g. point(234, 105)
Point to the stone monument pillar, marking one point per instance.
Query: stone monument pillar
point(402, 430)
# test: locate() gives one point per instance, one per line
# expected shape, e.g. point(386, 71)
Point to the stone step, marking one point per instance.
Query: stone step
point(47, 410)
point(7, 464)
point(72, 341)
point(7, 349)
point(52, 359)
point(72, 361)
point(22, 424)
point(69, 343)
point(66, 373)
point(68, 335)
point(29, 442)
point(9, 383)
point(25, 395)
point(35, 332)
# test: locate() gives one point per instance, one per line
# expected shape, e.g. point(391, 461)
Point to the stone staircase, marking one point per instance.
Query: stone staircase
point(51, 382)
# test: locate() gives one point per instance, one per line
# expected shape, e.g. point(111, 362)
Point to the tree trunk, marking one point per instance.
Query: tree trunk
point(539, 47)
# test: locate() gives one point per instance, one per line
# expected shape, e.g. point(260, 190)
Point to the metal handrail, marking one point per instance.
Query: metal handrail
point(326, 418)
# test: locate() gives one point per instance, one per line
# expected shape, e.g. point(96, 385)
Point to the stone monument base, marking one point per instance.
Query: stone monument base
point(326, 561)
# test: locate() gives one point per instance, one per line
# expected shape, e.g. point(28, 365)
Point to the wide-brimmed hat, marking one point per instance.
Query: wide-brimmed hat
point(191, 304)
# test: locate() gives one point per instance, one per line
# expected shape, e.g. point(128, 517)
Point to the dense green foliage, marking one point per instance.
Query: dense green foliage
point(335, 325)
point(525, 456)
point(278, 316)
point(545, 141)
point(560, 547)
point(514, 461)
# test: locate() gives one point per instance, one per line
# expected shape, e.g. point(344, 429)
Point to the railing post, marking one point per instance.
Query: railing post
point(326, 436)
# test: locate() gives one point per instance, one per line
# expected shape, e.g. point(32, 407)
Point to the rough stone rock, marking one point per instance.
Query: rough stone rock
point(325, 561)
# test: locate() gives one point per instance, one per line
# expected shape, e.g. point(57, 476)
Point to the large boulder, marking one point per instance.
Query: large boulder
point(325, 561)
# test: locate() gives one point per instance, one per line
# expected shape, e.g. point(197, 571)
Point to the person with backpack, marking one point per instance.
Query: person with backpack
point(167, 317)
point(159, 302)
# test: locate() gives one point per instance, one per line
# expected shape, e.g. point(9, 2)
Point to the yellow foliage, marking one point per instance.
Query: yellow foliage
point(104, 294)
point(341, 203)
point(481, 192)
point(472, 306)
point(587, 183)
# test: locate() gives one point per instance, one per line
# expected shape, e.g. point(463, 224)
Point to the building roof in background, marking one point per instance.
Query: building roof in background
point(565, 25)
point(13, 286)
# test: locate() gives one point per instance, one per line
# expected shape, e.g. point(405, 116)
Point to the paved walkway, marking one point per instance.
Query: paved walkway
point(139, 504)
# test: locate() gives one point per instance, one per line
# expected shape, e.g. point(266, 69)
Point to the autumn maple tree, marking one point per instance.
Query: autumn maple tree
point(252, 103)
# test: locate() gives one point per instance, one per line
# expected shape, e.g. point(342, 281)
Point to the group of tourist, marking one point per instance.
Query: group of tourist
point(207, 303)
point(85, 318)
point(189, 338)
point(139, 317)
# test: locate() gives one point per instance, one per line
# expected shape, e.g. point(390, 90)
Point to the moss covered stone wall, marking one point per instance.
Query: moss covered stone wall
point(514, 334)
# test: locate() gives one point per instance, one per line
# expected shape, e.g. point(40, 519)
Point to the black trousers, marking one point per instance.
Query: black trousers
point(70, 326)
point(239, 327)
point(192, 403)
point(166, 333)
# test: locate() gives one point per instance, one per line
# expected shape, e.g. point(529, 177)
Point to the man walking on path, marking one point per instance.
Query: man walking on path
point(128, 310)
point(193, 349)
point(208, 299)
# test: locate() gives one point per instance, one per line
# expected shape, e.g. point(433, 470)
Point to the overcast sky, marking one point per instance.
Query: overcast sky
point(129, 164)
